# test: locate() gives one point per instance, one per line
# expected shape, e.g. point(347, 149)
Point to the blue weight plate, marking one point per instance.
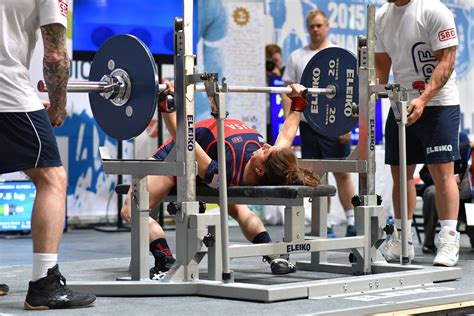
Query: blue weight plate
point(337, 67)
point(131, 55)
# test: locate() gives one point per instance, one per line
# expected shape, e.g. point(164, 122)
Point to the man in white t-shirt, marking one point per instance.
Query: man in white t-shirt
point(27, 141)
point(417, 39)
point(314, 145)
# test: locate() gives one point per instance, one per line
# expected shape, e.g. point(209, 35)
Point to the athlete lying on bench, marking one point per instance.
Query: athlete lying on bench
point(249, 161)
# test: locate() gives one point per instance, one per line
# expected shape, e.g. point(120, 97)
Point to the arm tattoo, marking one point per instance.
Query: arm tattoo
point(447, 61)
point(55, 63)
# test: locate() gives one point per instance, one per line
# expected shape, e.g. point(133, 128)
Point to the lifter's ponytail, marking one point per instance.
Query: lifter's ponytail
point(281, 168)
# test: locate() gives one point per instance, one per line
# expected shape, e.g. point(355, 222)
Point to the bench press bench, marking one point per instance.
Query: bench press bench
point(292, 197)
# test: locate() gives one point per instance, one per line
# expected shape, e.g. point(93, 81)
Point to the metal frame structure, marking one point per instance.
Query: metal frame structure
point(192, 228)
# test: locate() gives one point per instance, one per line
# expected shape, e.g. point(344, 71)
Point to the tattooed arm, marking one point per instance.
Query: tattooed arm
point(441, 74)
point(55, 70)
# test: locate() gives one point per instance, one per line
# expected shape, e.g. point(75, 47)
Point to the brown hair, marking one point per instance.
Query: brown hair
point(281, 168)
point(271, 49)
point(314, 13)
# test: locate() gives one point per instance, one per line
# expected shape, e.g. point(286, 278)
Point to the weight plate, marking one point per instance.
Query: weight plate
point(332, 116)
point(130, 54)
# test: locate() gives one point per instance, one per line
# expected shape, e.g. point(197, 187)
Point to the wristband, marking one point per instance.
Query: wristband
point(298, 103)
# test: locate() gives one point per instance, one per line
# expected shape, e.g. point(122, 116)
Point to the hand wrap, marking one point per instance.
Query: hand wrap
point(298, 103)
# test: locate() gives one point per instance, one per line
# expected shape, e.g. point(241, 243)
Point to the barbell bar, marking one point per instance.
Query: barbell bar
point(104, 87)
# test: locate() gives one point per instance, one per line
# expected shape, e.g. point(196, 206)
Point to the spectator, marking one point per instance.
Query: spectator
point(274, 61)
point(314, 145)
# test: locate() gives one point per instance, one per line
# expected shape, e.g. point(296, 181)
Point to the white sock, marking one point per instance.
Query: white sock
point(350, 219)
point(41, 263)
point(451, 223)
point(398, 225)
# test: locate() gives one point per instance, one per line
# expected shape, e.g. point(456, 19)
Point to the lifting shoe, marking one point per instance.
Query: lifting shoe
point(163, 263)
point(279, 265)
point(52, 292)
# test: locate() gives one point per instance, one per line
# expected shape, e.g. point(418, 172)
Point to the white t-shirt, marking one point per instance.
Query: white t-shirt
point(297, 63)
point(410, 34)
point(20, 21)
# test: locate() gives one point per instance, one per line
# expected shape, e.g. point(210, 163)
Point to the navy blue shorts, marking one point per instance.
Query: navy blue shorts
point(317, 146)
point(434, 138)
point(27, 141)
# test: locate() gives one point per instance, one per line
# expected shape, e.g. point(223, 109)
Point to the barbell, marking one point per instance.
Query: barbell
point(124, 89)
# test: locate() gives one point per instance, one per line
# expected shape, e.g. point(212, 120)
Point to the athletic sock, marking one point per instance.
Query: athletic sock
point(41, 263)
point(350, 217)
point(161, 245)
point(398, 225)
point(262, 238)
point(451, 223)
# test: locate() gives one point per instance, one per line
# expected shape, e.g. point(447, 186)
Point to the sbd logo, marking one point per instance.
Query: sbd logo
point(62, 7)
point(447, 34)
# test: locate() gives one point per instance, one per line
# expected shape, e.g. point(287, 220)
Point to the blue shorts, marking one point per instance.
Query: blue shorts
point(27, 141)
point(317, 146)
point(434, 138)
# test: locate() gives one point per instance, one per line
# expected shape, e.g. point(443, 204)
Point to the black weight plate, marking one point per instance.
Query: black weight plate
point(130, 54)
point(337, 67)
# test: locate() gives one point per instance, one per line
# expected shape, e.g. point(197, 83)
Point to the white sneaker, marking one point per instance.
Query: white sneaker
point(448, 248)
point(391, 249)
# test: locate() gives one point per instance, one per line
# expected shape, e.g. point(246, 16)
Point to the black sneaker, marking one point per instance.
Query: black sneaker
point(52, 292)
point(4, 289)
point(163, 263)
point(279, 265)
point(351, 231)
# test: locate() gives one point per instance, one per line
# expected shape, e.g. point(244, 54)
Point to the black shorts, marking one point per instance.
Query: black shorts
point(27, 141)
point(317, 146)
point(434, 138)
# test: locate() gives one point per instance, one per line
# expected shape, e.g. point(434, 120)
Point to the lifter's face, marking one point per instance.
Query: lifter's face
point(318, 28)
point(260, 155)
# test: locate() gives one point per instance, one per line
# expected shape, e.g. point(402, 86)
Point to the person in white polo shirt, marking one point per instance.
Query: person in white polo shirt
point(313, 144)
point(417, 39)
point(27, 141)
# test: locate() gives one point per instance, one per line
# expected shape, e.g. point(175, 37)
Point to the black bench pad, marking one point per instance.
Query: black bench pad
point(287, 192)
